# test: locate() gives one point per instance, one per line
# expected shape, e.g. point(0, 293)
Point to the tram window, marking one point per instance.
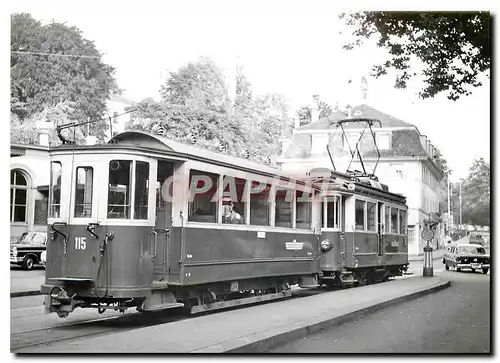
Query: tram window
point(322, 213)
point(233, 200)
point(333, 212)
point(402, 222)
point(304, 208)
point(119, 191)
point(370, 213)
point(141, 190)
point(83, 192)
point(387, 219)
point(259, 204)
point(55, 189)
point(360, 214)
point(394, 220)
point(202, 189)
point(283, 207)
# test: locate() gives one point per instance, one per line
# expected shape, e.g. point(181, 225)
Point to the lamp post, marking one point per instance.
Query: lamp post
point(427, 235)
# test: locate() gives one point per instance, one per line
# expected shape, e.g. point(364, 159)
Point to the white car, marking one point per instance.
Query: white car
point(43, 258)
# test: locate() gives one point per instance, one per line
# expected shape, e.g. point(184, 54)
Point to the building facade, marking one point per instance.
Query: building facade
point(29, 180)
point(408, 161)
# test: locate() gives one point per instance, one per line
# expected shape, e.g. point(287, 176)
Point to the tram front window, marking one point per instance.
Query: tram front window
point(119, 189)
point(83, 192)
point(333, 212)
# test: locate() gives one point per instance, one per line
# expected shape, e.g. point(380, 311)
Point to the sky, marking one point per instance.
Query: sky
point(293, 48)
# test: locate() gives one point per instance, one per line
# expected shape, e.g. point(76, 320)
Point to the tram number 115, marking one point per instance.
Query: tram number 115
point(80, 243)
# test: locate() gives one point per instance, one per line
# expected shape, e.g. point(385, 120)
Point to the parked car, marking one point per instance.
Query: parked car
point(27, 250)
point(43, 258)
point(466, 256)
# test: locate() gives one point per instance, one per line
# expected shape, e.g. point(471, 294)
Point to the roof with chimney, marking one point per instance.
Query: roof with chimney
point(405, 140)
point(361, 111)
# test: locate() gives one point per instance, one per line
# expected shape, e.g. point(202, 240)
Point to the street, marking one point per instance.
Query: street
point(454, 320)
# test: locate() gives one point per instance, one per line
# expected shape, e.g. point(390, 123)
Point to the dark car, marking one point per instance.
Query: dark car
point(27, 250)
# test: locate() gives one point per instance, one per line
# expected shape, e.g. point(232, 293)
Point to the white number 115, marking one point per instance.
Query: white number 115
point(80, 243)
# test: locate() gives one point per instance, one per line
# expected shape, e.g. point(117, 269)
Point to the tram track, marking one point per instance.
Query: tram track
point(49, 335)
point(79, 329)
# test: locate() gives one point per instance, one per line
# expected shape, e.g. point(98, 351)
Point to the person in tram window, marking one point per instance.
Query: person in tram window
point(230, 215)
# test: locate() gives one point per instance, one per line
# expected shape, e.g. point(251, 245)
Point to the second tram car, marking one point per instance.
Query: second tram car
point(151, 223)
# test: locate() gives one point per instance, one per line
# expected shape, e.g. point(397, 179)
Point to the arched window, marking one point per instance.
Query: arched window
point(18, 196)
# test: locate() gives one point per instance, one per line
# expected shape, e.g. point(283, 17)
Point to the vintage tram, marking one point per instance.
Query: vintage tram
point(152, 223)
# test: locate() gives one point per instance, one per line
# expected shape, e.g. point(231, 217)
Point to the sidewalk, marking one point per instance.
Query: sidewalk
point(25, 283)
point(254, 328)
point(436, 255)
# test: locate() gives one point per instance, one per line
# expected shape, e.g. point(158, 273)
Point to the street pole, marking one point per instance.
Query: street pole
point(449, 207)
point(460, 202)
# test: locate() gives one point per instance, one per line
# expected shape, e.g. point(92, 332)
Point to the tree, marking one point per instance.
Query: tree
point(476, 194)
point(199, 83)
point(54, 63)
point(270, 123)
point(455, 48)
point(305, 112)
point(26, 131)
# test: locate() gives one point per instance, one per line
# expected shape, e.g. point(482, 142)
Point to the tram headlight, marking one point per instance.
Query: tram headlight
point(14, 251)
point(326, 245)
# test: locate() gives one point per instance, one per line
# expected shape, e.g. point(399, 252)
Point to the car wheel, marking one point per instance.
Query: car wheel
point(485, 270)
point(446, 267)
point(28, 263)
point(444, 261)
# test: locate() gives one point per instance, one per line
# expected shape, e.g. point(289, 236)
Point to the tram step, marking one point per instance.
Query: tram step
point(239, 302)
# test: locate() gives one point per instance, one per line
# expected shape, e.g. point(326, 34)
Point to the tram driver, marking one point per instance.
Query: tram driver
point(230, 215)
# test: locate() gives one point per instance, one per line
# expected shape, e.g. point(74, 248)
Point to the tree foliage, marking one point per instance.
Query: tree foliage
point(199, 83)
point(305, 112)
point(455, 48)
point(476, 194)
point(53, 64)
point(26, 131)
point(195, 102)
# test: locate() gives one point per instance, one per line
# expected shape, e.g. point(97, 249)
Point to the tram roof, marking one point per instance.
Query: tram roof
point(149, 140)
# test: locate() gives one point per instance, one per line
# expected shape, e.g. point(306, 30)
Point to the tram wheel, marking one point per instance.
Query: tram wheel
point(62, 314)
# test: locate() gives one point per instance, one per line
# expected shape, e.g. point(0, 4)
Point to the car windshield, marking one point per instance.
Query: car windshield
point(32, 238)
point(472, 250)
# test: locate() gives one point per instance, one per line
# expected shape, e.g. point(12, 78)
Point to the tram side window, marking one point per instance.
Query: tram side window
point(387, 227)
point(304, 210)
point(233, 200)
point(141, 190)
point(370, 212)
point(283, 208)
point(83, 192)
point(119, 189)
point(402, 222)
point(55, 189)
point(202, 196)
point(394, 220)
point(259, 204)
point(360, 214)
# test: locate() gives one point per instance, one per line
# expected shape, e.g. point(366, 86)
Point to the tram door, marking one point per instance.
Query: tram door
point(162, 231)
point(380, 230)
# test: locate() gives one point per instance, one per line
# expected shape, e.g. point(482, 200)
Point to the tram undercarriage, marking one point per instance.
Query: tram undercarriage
point(360, 276)
point(192, 299)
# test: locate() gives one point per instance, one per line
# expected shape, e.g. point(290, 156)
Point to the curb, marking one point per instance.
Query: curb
point(264, 344)
point(25, 293)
